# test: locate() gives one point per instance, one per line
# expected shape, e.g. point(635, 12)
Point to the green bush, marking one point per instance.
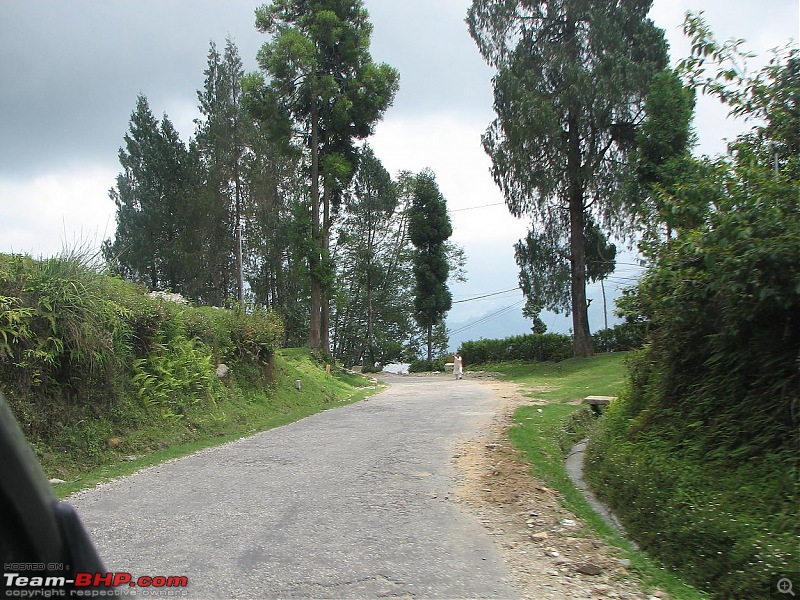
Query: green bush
point(175, 376)
point(537, 347)
point(620, 338)
point(59, 329)
point(425, 366)
point(727, 526)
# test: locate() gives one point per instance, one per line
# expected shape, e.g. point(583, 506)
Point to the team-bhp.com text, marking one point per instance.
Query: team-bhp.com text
point(92, 585)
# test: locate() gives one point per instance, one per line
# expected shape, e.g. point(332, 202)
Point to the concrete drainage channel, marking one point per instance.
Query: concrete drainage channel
point(574, 467)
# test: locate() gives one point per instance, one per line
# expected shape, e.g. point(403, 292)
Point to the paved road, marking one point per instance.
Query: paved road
point(355, 502)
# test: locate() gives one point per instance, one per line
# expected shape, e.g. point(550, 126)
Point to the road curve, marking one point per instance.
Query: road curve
point(354, 502)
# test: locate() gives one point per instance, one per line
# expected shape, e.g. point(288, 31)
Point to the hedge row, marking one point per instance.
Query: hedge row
point(542, 347)
point(538, 347)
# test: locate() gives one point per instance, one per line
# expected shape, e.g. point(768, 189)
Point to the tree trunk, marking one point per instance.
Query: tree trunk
point(430, 340)
point(325, 309)
point(239, 259)
point(581, 339)
point(370, 308)
point(314, 339)
point(605, 304)
point(370, 331)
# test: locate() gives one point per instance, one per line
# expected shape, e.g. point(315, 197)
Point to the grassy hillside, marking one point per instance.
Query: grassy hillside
point(104, 378)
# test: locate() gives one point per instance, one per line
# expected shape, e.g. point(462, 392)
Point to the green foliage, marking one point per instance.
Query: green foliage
point(175, 376)
point(372, 318)
point(234, 334)
point(700, 454)
point(661, 161)
point(543, 258)
point(84, 356)
point(427, 366)
point(14, 327)
point(535, 347)
point(429, 229)
point(727, 526)
point(59, 328)
point(620, 338)
point(723, 308)
point(322, 77)
point(155, 220)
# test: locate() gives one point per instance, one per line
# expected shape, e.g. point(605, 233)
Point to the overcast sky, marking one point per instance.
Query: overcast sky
point(70, 72)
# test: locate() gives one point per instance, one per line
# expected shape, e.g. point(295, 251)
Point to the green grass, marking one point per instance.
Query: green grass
point(240, 414)
point(568, 380)
point(544, 433)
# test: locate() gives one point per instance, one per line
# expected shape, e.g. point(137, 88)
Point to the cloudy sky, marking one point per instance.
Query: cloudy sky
point(70, 73)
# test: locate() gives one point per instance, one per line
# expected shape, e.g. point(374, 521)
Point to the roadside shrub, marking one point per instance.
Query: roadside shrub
point(699, 456)
point(620, 338)
point(60, 331)
point(536, 347)
point(723, 524)
point(425, 366)
point(84, 355)
point(234, 334)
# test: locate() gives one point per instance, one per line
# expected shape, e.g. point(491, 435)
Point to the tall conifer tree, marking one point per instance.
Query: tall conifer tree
point(429, 230)
point(571, 80)
point(322, 75)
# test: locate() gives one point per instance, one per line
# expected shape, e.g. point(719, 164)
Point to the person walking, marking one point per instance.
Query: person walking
point(458, 366)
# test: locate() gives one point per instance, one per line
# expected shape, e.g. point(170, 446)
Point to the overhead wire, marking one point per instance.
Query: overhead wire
point(452, 210)
point(486, 295)
point(488, 317)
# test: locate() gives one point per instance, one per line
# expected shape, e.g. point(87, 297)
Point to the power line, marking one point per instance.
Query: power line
point(488, 317)
point(486, 295)
point(476, 207)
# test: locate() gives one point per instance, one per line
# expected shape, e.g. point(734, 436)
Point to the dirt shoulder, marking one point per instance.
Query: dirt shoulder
point(550, 551)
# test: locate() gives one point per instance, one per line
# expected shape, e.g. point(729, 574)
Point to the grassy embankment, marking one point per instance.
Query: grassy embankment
point(546, 438)
point(105, 379)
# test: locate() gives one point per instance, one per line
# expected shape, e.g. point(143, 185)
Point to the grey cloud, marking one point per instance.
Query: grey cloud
point(428, 41)
point(70, 71)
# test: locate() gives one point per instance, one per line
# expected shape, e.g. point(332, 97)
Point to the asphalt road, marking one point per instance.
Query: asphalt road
point(355, 502)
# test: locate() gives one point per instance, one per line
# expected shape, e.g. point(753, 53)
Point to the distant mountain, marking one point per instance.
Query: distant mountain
point(491, 325)
point(508, 321)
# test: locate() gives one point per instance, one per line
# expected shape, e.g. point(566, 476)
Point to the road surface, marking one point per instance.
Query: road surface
point(355, 502)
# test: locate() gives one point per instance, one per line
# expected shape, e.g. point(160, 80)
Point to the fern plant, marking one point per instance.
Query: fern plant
point(175, 376)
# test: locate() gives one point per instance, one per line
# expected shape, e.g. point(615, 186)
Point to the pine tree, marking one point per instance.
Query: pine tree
point(154, 208)
point(373, 257)
point(429, 230)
